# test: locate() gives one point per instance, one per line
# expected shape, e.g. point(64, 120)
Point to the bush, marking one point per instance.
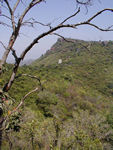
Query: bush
point(45, 101)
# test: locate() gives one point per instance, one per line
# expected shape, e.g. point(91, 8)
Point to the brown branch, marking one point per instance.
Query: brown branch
point(22, 100)
point(13, 51)
point(20, 104)
point(14, 54)
point(38, 38)
point(6, 53)
point(62, 37)
point(32, 21)
point(7, 3)
point(11, 13)
point(83, 46)
point(33, 77)
point(100, 12)
point(99, 28)
point(5, 24)
point(86, 2)
point(2, 15)
point(32, 4)
point(110, 27)
point(15, 29)
point(3, 44)
point(71, 16)
point(16, 5)
point(9, 18)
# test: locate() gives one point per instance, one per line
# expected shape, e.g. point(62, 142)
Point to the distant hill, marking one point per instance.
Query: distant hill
point(27, 62)
point(24, 62)
point(68, 51)
point(90, 61)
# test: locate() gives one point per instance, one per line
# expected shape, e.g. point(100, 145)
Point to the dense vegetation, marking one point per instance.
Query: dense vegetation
point(73, 109)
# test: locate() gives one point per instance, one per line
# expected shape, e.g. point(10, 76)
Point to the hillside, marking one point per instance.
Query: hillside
point(90, 62)
point(74, 109)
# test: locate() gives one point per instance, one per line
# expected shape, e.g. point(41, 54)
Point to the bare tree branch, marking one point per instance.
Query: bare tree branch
point(15, 29)
point(6, 53)
point(83, 46)
point(2, 15)
point(110, 27)
point(16, 5)
point(62, 37)
point(20, 104)
point(100, 12)
point(84, 2)
point(71, 16)
point(11, 13)
point(5, 24)
point(99, 28)
point(14, 54)
point(22, 100)
point(33, 77)
point(31, 22)
point(7, 3)
point(32, 4)
point(3, 44)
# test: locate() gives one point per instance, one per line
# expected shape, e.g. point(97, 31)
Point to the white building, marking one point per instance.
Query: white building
point(59, 61)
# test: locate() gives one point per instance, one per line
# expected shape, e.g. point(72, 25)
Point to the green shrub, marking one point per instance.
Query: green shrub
point(45, 101)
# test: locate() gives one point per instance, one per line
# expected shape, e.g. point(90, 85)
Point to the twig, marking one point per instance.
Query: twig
point(97, 14)
point(19, 105)
point(32, 21)
point(22, 100)
point(5, 24)
point(71, 16)
point(62, 37)
point(34, 77)
point(16, 4)
point(86, 2)
point(99, 28)
point(3, 44)
point(11, 13)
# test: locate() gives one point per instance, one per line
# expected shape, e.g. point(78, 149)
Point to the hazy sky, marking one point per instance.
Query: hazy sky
point(54, 11)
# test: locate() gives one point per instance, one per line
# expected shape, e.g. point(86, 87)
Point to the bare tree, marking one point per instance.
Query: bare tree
point(17, 22)
point(16, 26)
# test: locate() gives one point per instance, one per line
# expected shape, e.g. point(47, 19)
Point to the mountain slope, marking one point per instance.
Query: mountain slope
point(75, 108)
point(91, 62)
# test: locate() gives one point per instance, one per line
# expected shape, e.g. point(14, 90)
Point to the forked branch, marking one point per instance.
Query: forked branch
point(11, 13)
point(22, 100)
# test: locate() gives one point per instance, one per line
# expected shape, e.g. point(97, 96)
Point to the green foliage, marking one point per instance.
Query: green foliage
point(45, 100)
point(14, 122)
point(75, 108)
point(110, 118)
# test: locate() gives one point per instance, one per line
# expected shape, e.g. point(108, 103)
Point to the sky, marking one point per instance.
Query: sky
point(54, 12)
